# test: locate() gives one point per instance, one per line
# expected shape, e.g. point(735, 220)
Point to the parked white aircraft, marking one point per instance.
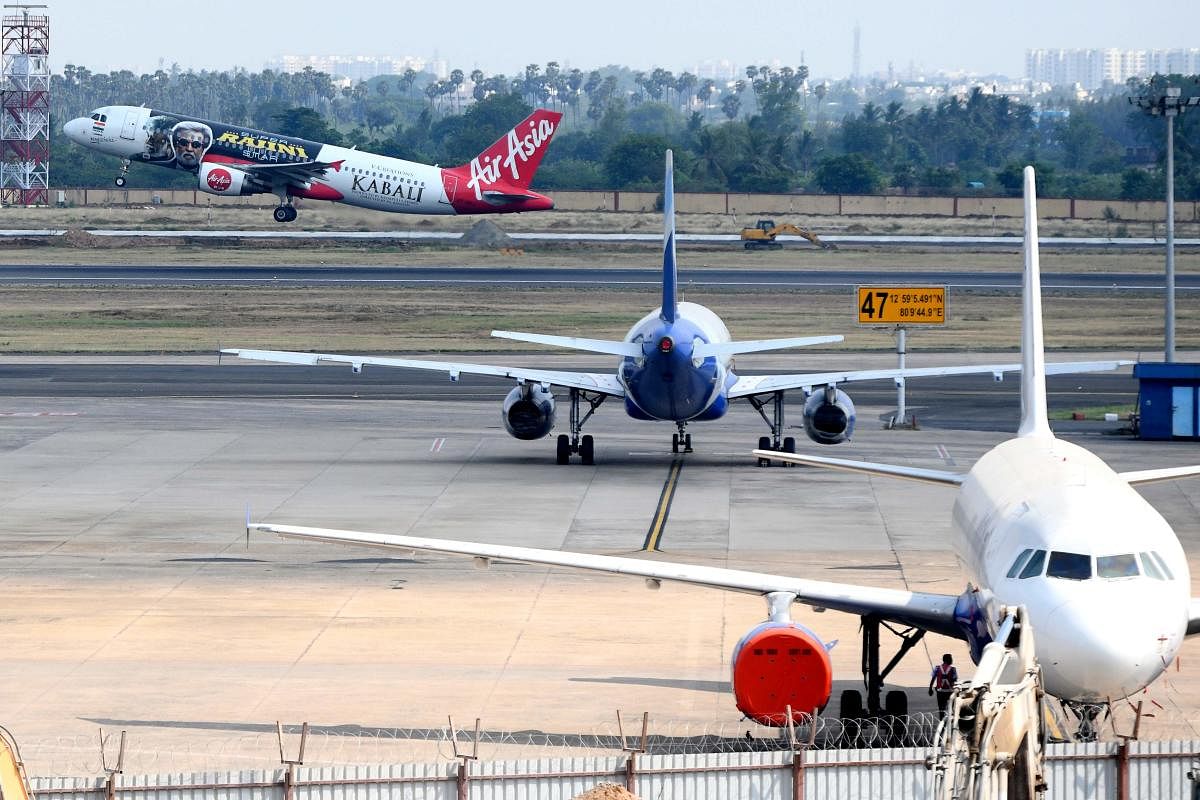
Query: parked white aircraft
point(1039, 522)
point(676, 366)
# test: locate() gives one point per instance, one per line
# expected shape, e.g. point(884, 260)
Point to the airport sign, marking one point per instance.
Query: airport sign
point(901, 305)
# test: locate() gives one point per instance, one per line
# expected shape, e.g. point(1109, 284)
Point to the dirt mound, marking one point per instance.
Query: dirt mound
point(77, 237)
point(485, 234)
point(607, 791)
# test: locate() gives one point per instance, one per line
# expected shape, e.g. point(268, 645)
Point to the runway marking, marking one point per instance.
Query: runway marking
point(944, 454)
point(39, 413)
point(436, 447)
point(663, 509)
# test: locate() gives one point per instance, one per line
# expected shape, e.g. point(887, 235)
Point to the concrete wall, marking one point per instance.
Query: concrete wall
point(783, 205)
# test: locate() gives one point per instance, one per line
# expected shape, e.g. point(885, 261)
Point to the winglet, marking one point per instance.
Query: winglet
point(1035, 419)
point(669, 273)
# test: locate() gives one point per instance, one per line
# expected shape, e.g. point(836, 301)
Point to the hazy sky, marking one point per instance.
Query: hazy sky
point(500, 36)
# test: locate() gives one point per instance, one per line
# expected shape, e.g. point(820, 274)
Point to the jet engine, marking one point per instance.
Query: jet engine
point(528, 412)
point(777, 665)
point(224, 179)
point(829, 416)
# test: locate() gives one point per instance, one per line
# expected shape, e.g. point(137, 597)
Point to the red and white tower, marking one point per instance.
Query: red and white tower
point(24, 106)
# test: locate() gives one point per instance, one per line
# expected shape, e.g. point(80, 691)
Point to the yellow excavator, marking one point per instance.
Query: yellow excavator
point(764, 232)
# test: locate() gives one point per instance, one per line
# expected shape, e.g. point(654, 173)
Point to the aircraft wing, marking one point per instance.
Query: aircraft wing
point(760, 384)
point(602, 383)
point(919, 474)
point(293, 173)
point(933, 612)
point(1164, 474)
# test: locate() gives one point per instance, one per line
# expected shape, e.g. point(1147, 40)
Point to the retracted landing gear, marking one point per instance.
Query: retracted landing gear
point(120, 179)
point(583, 445)
point(681, 440)
point(776, 441)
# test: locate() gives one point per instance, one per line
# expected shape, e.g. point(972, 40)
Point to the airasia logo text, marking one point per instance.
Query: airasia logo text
point(219, 180)
point(520, 150)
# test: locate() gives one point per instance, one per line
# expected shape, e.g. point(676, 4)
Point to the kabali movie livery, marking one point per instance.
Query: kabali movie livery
point(234, 161)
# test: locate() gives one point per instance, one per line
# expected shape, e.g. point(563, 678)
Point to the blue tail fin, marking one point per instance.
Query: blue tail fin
point(668, 300)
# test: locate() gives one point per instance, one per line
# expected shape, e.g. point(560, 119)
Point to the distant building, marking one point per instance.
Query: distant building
point(1094, 68)
point(355, 68)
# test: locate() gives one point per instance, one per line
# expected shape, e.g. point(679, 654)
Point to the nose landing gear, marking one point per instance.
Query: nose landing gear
point(683, 439)
point(120, 179)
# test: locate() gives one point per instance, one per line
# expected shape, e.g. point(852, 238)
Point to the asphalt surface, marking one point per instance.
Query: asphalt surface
point(976, 402)
point(573, 276)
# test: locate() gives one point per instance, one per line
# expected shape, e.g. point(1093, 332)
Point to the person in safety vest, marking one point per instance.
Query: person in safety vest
point(943, 680)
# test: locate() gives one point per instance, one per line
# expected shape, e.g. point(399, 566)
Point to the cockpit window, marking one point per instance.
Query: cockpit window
point(1020, 562)
point(1122, 566)
point(1070, 566)
point(1151, 567)
point(1034, 567)
point(1162, 564)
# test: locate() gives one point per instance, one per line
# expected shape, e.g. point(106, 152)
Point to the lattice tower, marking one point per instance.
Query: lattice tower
point(24, 106)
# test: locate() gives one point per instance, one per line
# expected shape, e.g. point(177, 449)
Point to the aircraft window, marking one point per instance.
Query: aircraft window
point(1162, 564)
point(1020, 562)
point(95, 116)
point(1151, 568)
point(1034, 567)
point(1122, 566)
point(1070, 566)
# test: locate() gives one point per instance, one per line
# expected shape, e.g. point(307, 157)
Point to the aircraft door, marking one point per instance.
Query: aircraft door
point(1183, 411)
point(450, 184)
point(129, 126)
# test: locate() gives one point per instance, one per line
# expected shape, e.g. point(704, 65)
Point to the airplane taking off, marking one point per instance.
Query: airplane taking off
point(676, 366)
point(1038, 522)
point(233, 160)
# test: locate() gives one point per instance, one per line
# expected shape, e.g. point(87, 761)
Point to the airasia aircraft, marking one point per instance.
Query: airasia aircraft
point(231, 160)
point(1038, 522)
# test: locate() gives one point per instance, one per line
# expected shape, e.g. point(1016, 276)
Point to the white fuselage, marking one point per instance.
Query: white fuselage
point(1099, 636)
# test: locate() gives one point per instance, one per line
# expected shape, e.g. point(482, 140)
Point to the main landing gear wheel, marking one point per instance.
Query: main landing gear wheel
point(789, 446)
point(119, 180)
point(574, 443)
point(285, 213)
point(764, 443)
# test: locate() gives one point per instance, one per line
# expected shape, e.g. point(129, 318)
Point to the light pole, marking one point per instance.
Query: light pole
point(1167, 102)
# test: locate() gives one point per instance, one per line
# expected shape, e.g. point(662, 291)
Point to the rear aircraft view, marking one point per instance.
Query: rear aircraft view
point(232, 160)
point(676, 365)
point(1038, 522)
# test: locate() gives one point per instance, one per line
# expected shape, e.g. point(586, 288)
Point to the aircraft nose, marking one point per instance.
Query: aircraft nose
point(76, 129)
point(1098, 656)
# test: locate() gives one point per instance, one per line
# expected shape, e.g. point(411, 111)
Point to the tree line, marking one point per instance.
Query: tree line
point(773, 131)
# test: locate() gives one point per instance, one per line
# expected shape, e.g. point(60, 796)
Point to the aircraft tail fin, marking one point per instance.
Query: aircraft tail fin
point(512, 159)
point(1035, 419)
point(669, 271)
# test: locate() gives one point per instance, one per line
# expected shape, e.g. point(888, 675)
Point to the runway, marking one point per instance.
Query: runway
point(449, 275)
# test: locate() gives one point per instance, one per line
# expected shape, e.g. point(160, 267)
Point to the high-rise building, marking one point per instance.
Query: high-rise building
point(1094, 68)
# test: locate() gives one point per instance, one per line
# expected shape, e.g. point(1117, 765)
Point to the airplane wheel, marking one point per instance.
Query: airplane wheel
point(564, 449)
point(292, 213)
point(851, 704)
point(119, 181)
point(789, 446)
point(281, 214)
point(687, 443)
point(764, 443)
point(895, 707)
point(587, 451)
point(674, 442)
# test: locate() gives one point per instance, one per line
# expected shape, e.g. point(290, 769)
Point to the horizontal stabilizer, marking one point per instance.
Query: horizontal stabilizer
point(507, 197)
point(1165, 474)
point(725, 349)
point(613, 348)
point(867, 467)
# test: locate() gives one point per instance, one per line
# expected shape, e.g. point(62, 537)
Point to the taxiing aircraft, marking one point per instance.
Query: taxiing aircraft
point(1039, 522)
point(232, 160)
point(676, 366)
